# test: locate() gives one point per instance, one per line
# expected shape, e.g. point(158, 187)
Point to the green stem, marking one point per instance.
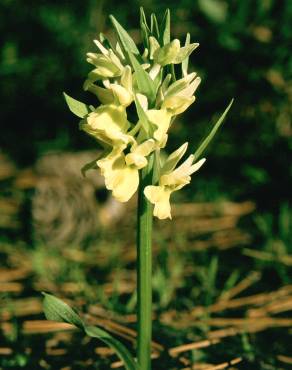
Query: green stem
point(144, 270)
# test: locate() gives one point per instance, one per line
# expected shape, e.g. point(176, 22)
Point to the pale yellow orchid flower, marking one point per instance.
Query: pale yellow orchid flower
point(179, 95)
point(107, 63)
point(113, 93)
point(108, 124)
point(159, 118)
point(170, 181)
point(171, 53)
point(121, 171)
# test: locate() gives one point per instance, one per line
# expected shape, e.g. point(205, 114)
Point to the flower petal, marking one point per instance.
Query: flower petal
point(161, 120)
point(159, 196)
point(125, 183)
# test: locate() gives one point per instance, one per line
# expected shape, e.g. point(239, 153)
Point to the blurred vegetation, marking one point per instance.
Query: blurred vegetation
point(245, 53)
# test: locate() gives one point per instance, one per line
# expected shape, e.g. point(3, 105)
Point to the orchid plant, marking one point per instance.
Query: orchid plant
point(158, 85)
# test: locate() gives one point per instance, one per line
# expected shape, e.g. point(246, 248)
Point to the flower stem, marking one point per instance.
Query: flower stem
point(144, 270)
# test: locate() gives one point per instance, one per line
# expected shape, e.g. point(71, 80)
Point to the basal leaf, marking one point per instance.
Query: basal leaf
point(78, 108)
point(57, 310)
point(117, 346)
point(207, 140)
point(126, 40)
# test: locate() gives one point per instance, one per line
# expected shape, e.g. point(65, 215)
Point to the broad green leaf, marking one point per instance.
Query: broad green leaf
point(165, 28)
point(144, 82)
point(57, 310)
point(207, 140)
point(78, 108)
point(185, 62)
point(126, 40)
point(117, 346)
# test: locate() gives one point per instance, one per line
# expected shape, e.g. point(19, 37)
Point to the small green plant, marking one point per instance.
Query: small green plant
point(140, 94)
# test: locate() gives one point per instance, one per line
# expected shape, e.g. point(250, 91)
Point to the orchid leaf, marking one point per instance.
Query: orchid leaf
point(154, 26)
point(126, 40)
point(165, 28)
point(57, 310)
point(207, 140)
point(144, 28)
point(78, 108)
point(145, 84)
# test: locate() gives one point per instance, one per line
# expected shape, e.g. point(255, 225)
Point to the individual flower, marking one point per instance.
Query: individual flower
point(171, 180)
point(113, 93)
point(121, 171)
point(159, 120)
point(108, 124)
point(179, 95)
point(171, 53)
point(107, 63)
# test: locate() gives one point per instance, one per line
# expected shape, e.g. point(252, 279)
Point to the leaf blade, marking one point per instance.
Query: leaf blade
point(76, 107)
point(165, 28)
point(57, 310)
point(215, 128)
point(118, 347)
point(144, 82)
point(126, 40)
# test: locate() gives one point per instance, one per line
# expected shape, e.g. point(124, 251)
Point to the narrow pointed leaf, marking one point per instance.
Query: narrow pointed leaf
point(117, 346)
point(57, 310)
point(144, 28)
point(145, 84)
point(78, 108)
point(154, 26)
point(126, 40)
point(207, 140)
point(142, 115)
point(165, 28)
point(143, 19)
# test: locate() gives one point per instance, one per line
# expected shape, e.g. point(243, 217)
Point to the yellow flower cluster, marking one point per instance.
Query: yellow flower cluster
point(127, 146)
